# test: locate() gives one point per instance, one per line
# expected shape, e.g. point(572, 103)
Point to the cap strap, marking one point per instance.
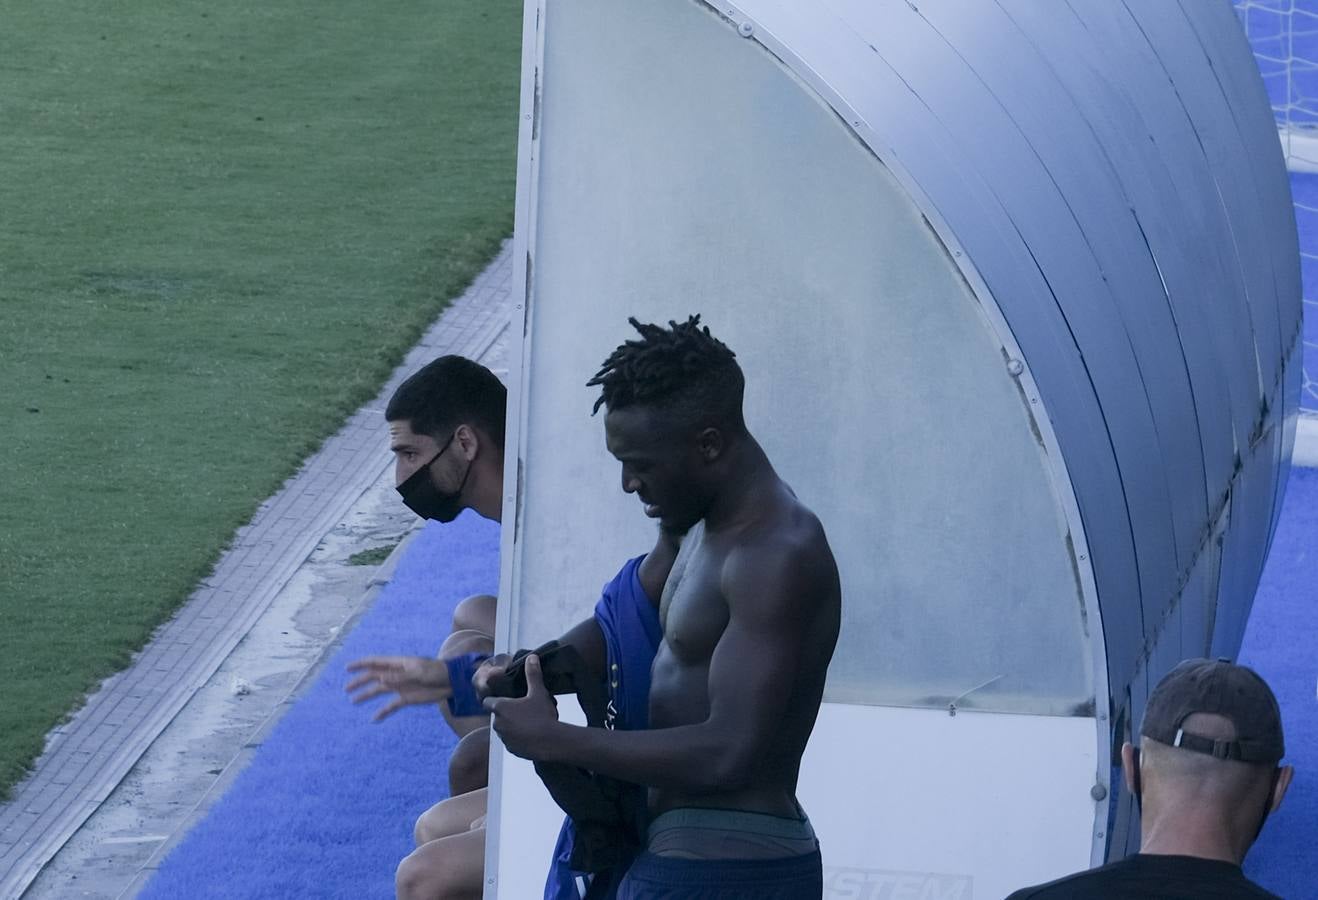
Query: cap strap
point(1199, 744)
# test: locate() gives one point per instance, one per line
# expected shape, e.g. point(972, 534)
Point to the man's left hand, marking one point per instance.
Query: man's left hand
point(526, 725)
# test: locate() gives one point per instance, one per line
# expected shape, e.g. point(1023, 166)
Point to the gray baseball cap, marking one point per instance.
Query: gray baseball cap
point(1222, 688)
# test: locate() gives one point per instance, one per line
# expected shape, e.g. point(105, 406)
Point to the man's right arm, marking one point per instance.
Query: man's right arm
point(584, 637)
point(588, 640)
point(772, 599)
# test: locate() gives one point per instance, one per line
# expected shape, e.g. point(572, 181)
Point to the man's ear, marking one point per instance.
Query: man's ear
point(1128, 765)
point(1283, 782)
point(468, 441)
point(710, 444)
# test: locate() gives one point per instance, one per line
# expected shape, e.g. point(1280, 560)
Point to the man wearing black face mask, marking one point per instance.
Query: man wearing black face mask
point(446, 432)
point(1207, 776)
point(446, 429)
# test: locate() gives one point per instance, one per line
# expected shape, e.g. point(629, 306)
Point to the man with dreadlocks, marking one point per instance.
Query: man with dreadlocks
point(750, 617)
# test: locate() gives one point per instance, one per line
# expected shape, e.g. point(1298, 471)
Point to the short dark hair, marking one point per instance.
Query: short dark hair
point(448, 392)
point(681, 368)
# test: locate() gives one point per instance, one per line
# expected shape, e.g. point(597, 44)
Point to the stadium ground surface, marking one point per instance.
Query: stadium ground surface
point(221, 226)
point(172, 264)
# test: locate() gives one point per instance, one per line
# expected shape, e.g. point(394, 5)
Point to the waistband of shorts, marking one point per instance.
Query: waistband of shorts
point(671, 871)
point(788, 828)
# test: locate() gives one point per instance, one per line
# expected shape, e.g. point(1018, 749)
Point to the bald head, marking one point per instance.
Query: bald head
point(1192, 801)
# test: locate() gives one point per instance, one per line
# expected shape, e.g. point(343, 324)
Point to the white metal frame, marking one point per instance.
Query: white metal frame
point(518, 370)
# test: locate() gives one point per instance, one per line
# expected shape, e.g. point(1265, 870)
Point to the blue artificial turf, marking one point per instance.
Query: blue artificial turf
point(1280, 644)
point(327, 805)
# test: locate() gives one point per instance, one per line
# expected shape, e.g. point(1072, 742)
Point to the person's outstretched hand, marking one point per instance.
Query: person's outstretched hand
point(415, 679)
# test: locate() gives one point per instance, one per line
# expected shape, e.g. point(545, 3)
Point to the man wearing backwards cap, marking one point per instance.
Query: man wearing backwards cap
point(1206, 777)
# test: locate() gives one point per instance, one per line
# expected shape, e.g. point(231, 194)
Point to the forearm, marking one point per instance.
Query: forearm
point(586, 638)
point(689, 758)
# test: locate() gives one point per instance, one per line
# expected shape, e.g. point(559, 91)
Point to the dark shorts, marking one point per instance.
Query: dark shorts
point(664, 878)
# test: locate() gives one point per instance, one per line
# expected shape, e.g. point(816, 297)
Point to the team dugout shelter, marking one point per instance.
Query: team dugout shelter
point(1016, 288)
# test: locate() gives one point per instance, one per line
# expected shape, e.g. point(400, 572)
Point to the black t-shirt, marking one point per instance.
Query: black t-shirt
point(1148, 876)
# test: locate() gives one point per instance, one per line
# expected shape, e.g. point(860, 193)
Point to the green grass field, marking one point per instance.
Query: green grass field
point(221, 226)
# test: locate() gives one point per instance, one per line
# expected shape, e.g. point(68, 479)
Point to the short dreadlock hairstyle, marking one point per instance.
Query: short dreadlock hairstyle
point(681, 369)
point(448, 392)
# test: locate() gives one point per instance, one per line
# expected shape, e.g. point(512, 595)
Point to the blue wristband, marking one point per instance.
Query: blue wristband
point(464, 701)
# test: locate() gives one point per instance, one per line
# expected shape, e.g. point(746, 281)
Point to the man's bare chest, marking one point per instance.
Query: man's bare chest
point(695, 614)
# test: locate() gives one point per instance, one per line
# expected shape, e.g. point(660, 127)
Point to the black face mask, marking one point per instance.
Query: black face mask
point(422, 497)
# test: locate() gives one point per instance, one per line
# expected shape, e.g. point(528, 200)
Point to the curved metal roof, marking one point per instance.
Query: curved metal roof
point(1110, 173)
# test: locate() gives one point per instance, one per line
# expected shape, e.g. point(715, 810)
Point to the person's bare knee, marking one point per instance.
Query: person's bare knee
point(449, 817)
point(425, 879)
point(468, 641)
point(414, 879)
point(475, 613)
point(435, 823)
point(469, 765)
point(423, 830)
point(448, 869)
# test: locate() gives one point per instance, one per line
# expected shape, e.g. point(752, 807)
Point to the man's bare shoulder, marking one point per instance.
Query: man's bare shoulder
point(786, 556)
point(788, 528)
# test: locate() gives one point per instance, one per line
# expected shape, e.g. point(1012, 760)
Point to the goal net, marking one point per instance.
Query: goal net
point(1284, 35)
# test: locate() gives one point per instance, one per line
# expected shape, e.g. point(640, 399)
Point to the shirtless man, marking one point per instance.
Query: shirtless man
point(750, 618)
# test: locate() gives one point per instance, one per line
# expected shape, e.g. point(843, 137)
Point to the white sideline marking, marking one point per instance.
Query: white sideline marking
point(1306, 442)
point(1301, 148)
